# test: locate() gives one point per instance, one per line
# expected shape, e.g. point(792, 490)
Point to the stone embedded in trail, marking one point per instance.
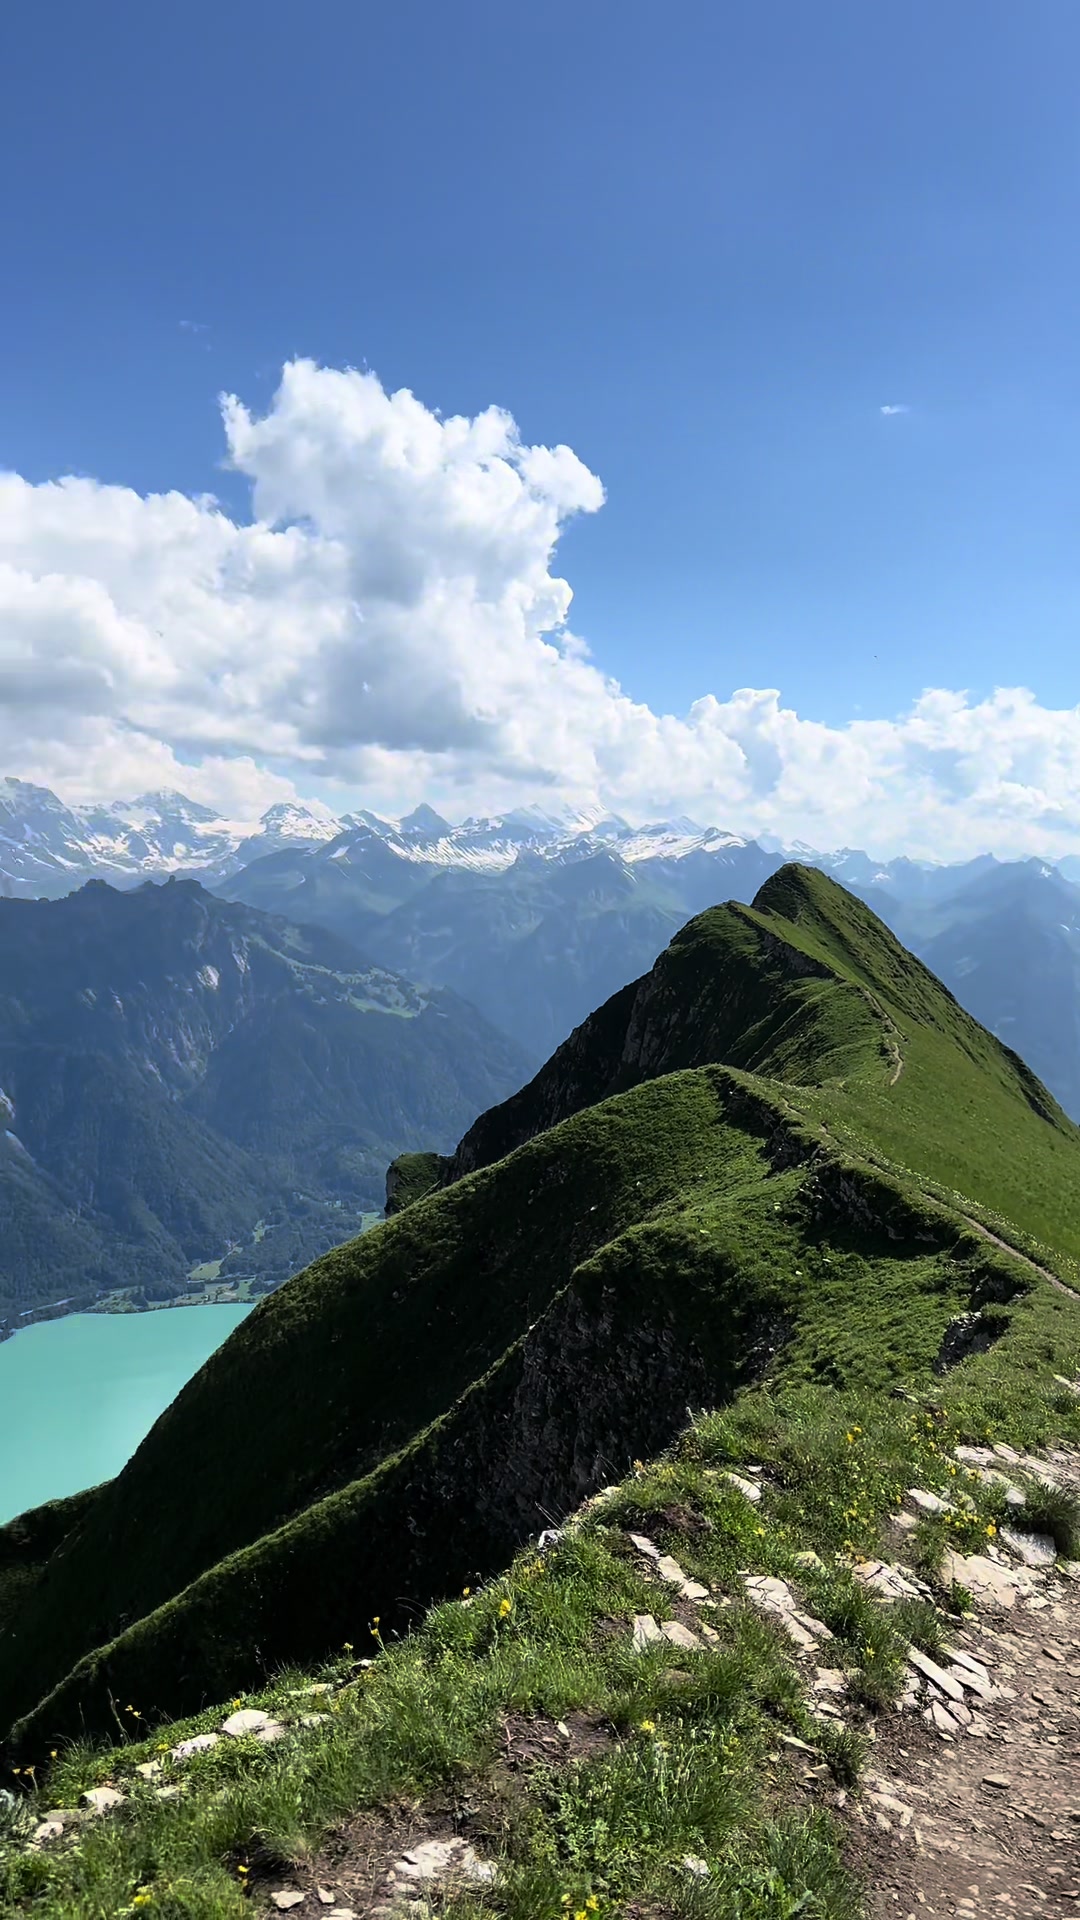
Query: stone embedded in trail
point(829, 1680)
point(889, 1581)
point(680, 1636)
point(166, 1793)
point(646, 1632)
point(927, 1502)
point(961, 1659)
point(693, 1590)
point(102, 1799)
point(888, 1803)
point(248, 1720)
point(644, 1545)
point(1034, 1549)
point(444, 1860)
point(670, 1570)
point(748, 1488)
point(993, 1477)
point(198, 1743)
point(941, 1718)
point(48, 1830)
point(775, 1596)
point(929, 1668)
point(286, 1899)
point(999, 1780)
point(985, 1580)
point(149, 1769)
point(276, 1730)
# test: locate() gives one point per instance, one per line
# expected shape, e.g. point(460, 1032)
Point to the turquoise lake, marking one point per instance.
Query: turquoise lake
point(78, 1394)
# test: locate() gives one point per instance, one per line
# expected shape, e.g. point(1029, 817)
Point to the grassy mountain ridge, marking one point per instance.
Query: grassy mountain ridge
point(817, 996)
point(783, 1195)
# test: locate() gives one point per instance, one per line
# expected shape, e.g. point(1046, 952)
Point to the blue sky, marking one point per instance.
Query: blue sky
point(703, 246)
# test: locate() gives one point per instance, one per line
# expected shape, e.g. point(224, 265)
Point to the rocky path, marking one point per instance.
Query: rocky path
point(986, 1825)
point(972, 1807)
point(969, 1807)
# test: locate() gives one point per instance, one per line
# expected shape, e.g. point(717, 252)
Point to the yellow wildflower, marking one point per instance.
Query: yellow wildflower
point(991, 1528)
point(592, 1903)
point(647, 1726)
point(505, 1607)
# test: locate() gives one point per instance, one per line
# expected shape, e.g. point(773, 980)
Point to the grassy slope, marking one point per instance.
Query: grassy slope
point(688, 1756)
point(699, 1224)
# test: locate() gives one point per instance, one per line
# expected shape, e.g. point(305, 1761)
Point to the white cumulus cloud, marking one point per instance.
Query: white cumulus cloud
point(391, 624)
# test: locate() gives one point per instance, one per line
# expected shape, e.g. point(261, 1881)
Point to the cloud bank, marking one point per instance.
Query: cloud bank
point(390, 625)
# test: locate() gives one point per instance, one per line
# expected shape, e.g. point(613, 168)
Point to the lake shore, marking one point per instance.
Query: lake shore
point(205, 1289)
point(103, 1379)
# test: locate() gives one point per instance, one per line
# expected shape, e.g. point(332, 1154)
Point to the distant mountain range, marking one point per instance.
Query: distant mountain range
point(48, 849)
point(180, 1075)
point(536, 916)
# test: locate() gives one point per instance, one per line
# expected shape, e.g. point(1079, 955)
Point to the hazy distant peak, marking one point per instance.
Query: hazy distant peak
point(424, 820)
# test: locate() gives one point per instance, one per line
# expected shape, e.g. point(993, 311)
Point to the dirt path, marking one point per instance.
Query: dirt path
point(997, 1241)
point(969, 1807)
point(993, 1822)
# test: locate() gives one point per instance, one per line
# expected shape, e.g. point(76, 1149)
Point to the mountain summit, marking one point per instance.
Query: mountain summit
point(785, 1155)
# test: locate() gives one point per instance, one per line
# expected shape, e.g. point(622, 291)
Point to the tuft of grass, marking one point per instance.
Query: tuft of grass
point(845, 1749)
point(1056, 1511)
point(920, 1623)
